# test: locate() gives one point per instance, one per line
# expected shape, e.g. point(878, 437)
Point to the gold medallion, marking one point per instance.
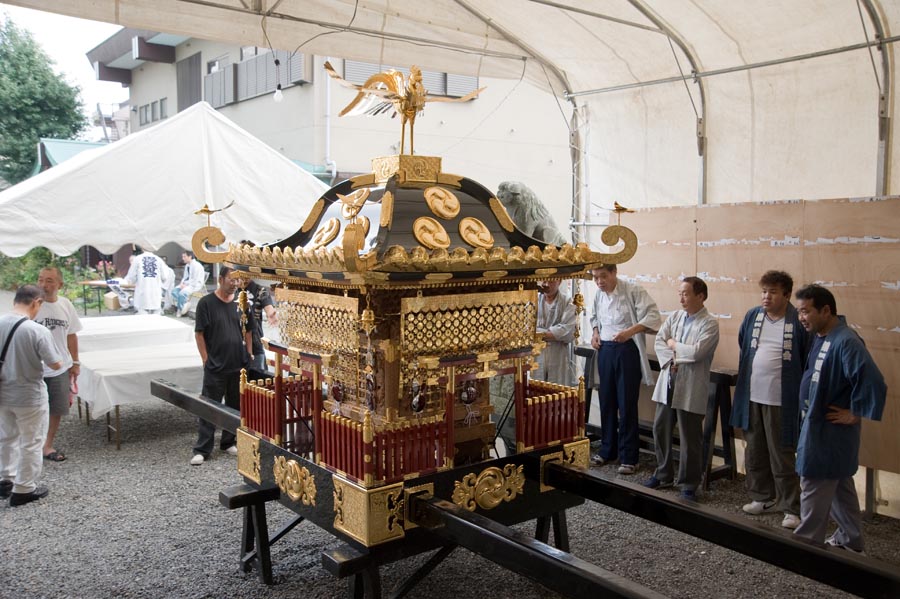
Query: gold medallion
point(430, 233)
point(326, 233)
point(443, 202)
point(475, 233)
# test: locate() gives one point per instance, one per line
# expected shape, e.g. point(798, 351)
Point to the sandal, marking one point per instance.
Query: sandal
point(55, 456)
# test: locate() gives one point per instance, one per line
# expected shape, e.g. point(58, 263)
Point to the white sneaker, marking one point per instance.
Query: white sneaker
point(832, 542)
point(185, 309)
point(627, 469)
point(756, 508)
point(790, 521)
point(197, 460)
point(231, 450)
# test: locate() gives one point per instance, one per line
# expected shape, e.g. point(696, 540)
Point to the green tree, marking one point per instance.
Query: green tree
point(35, 102)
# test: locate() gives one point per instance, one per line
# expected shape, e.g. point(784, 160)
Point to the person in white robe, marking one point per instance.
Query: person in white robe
point(150, 276)
point(556, 323)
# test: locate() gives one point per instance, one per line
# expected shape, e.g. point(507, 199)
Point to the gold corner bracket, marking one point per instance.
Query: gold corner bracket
point(248, 456)
point(369, 516)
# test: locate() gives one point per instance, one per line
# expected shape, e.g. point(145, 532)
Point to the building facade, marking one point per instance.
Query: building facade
point(511, 132)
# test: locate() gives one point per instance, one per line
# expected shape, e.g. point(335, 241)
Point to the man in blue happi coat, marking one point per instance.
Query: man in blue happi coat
point(840, 386)
point(766, 399)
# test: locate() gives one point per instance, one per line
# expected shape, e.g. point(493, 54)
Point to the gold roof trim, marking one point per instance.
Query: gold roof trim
point(419, 259)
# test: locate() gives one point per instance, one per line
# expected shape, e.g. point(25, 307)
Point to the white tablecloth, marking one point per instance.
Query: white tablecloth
point(114, 332)
point(115, 377)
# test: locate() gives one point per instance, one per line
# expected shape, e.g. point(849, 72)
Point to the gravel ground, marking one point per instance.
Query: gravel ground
point(141, 522)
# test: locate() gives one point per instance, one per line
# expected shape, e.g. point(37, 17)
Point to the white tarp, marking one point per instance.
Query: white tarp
point(806, 129)
point(145, 188)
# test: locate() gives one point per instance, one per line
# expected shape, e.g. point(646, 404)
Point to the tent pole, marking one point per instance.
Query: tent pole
point(695, 68)
point(882, 177)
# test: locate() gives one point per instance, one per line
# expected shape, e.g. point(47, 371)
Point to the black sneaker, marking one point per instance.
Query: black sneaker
point(6, 487)
point(16, 499)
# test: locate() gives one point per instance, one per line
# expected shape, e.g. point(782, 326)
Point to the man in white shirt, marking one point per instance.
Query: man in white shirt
point(23, 398)
point(192, 280)
point(767, 398)
point(58, 315)
point(149, 275)
point(623, 313)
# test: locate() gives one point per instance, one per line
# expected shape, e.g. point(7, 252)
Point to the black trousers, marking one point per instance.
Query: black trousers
point(218, 386)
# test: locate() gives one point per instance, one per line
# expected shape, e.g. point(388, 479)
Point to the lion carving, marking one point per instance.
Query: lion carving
point(528, 213)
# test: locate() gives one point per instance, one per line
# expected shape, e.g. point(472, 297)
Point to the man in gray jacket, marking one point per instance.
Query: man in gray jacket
point(685, 346)
point(623, 312)
point(24, 406)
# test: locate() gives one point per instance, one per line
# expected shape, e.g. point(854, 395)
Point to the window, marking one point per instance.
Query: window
point(163, 108)
point(217, 64)
point(143, 114)
point(251, 51)
point(154, 111)
point(437, 83)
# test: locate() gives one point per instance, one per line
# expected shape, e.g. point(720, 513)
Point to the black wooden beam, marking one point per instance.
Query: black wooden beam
point(552, 568)
point(141, 49)
point(837, 568)
point(217, 413)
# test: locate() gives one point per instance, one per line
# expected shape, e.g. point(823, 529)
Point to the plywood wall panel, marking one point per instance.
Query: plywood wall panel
point(853, 247)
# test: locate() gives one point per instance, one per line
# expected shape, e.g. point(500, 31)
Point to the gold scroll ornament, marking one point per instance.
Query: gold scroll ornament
point(295, 481)
point(201, 238)
point(489, 488)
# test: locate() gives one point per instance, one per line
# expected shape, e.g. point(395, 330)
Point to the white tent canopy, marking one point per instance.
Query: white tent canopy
point(145, 188)
point(772, 124)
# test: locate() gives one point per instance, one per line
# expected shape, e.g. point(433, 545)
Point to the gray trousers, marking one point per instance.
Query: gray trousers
point(820, 498)
point(771, 472)
point(690, 434)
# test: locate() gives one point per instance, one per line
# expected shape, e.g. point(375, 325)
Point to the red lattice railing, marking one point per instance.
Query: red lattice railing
point(280, 410)
point(394, 449)
point(548, 414)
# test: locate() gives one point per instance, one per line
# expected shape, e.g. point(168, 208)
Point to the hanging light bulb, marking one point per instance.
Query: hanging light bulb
point(278, 96)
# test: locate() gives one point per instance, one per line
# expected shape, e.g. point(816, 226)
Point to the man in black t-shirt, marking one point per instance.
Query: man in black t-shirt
point(225, 348)
point(261, 304)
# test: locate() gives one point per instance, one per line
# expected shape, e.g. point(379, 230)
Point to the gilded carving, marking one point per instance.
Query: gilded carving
point(387, 209)
point(442, 202)
point(578, 453)
point(489, 488)
point(248, 453)
point(501, 215)
point(352, 203)
point(370, 516)
point(475, 233)
point(326, 233)
point(294, 480)
point(430, 233)
point(313, 216)
point(199, 241)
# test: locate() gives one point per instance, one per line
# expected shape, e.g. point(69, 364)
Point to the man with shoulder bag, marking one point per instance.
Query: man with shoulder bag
point(24, 406)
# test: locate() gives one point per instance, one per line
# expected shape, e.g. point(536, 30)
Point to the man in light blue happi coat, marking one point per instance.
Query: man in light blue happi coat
point(841, 385)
